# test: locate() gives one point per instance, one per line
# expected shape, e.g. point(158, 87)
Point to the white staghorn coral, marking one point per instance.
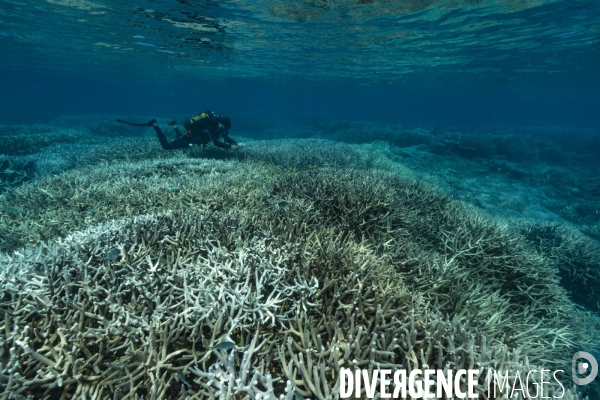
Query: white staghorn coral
point(358, 269)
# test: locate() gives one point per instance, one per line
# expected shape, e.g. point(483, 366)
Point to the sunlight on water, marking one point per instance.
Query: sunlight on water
point(364, 40)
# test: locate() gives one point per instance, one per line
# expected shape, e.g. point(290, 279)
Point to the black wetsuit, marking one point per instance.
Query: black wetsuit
point(200, 130)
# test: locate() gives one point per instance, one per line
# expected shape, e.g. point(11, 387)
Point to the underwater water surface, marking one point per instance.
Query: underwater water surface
point(408, 184)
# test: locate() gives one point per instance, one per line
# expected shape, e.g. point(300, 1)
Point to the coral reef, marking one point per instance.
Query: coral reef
point(514, 144)
point(30, 152)
point(514, 204)
point(365, 133)
point(122, 274)
point(303, 154)
point(129, 178)
point(21, 140)
point(15, 170)
point(575, 255)
point(299, 304)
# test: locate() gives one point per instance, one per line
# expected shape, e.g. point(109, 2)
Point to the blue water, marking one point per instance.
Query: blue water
point(428, 62)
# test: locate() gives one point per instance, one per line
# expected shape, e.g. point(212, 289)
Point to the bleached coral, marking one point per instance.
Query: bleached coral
point(356, 269)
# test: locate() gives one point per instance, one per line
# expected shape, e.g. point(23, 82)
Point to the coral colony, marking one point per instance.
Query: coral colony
point(216, 290)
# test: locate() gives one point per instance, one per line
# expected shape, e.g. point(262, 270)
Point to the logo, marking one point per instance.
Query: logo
point(580, 368)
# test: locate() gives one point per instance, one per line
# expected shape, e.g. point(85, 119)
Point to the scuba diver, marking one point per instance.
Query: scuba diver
point(200, 130)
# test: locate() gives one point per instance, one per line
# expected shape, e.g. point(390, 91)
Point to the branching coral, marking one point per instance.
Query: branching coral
point(460, 260)
point(179, 285)
point(303, 154)
point(307, 271)
point(576, 256)
point(298, 307)
point(22, 140)
point(141, 179)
